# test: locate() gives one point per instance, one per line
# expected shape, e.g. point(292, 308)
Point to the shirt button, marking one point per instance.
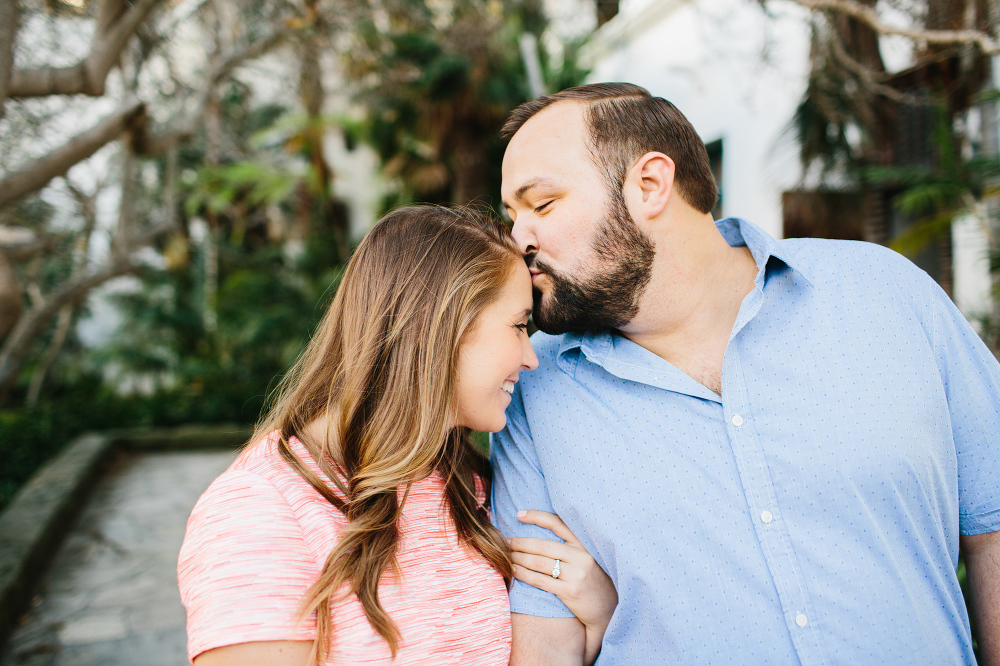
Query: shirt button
point(801, 619)
point(737, 420)
point(767, 518)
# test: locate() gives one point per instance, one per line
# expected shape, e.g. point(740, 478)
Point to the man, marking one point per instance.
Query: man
point(774, 448)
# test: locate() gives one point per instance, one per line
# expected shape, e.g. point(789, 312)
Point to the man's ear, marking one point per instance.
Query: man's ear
point(652, 183)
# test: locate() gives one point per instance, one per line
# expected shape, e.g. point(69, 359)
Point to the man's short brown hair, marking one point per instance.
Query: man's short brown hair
point(624, 123)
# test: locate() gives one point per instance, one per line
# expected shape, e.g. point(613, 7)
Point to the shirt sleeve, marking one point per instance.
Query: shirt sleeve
point(971, 377)
point(244, 567)
point(518, 483)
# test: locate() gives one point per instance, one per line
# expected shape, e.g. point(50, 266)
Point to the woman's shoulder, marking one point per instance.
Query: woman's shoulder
point(259, 488)
point(262, 457)
point(246, 561)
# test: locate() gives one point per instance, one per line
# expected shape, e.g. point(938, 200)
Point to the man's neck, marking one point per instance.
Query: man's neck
point(691, 304)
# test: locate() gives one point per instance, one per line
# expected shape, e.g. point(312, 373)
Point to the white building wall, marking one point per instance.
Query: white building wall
point(735, 73)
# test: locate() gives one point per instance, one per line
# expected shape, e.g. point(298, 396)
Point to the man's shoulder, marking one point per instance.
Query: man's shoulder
point(823, 250)
point(557, 355)
point(845, 262)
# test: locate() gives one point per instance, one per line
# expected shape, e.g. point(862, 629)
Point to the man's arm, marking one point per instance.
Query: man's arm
point(982, 563)
point(545, 631)
point(546, 641)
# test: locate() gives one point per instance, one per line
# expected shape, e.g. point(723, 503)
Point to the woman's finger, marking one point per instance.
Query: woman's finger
point(542, 581)
point(549, 521)
point(539, 563)
point(550, 549)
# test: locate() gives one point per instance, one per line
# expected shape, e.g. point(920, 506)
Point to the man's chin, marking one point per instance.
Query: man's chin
point(543, 320)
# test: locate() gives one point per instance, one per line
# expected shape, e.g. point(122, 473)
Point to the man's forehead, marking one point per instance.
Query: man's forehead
point(561, 121)
point(543, 148)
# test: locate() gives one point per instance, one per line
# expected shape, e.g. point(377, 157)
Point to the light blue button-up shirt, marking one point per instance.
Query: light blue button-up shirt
point(809, 515)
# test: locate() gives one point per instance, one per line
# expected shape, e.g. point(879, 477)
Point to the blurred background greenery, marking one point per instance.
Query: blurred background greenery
point(244, 236)
point(181, 181)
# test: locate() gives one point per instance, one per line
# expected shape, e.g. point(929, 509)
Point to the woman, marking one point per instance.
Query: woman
point(355, 529)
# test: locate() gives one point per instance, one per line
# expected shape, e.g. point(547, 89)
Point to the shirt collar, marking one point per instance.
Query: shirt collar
point(597, 345)
point(761, 244)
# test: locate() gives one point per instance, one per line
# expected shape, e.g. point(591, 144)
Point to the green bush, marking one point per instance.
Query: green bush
point(30, 436)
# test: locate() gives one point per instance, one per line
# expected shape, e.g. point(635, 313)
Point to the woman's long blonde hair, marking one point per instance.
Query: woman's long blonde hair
point(382, 366)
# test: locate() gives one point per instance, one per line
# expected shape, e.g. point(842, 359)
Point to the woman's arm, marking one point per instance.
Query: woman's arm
point(262, 653)
point(581, 584)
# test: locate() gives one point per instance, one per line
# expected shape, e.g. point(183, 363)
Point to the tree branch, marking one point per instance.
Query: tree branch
point(30, 324)
point(36, 175)
point(867, 77)
point(16, 346)
point(867, 15)
point(146, 144)
point(88, 210)
point(11, 301)
point(88, 76)
point(18, 252)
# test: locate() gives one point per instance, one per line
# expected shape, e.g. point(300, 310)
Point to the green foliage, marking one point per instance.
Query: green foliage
point(33, 213)
point(437, 88)
point(217, 188)
point(32, 436)
point(195, 347)
point(935, 196)
point(265, 308)
point(202, 338)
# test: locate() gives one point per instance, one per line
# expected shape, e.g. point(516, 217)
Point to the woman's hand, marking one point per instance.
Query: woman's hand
point(581, 583)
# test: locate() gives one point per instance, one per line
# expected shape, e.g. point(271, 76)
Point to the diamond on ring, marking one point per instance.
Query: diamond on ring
point(556, 570)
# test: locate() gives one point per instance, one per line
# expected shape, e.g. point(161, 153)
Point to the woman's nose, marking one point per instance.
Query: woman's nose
point(528, 359)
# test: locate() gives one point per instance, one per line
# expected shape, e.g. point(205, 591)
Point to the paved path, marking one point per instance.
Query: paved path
point(111, 595)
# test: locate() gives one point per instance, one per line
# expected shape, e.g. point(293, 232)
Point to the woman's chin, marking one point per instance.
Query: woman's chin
point(500, 425)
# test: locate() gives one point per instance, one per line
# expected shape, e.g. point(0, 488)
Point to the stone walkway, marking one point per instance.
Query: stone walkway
point(111, 595)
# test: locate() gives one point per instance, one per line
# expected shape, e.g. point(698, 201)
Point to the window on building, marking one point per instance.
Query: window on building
point(606, 10)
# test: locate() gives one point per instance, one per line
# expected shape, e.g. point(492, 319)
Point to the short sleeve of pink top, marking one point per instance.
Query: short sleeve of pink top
point(259, 536)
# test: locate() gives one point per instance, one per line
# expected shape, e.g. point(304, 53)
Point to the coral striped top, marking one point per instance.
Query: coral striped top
point(259, 536)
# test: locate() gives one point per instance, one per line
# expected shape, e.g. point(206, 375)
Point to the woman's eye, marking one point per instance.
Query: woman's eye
point(521, 327)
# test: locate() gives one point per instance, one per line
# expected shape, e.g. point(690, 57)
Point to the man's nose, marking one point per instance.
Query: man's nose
point(524, 235)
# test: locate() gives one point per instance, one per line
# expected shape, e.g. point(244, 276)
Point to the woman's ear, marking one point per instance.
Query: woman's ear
point(651, 182)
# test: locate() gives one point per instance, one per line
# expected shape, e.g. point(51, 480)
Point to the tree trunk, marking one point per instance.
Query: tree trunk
point(11, 301)
point(8, 29)
point(469, 168)
point(946, 258)
point(318, 199)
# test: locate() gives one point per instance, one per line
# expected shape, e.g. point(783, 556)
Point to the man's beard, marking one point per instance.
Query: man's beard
point(609, 298)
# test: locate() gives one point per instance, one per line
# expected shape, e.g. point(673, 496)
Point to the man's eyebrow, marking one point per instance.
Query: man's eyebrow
point(531, 184)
